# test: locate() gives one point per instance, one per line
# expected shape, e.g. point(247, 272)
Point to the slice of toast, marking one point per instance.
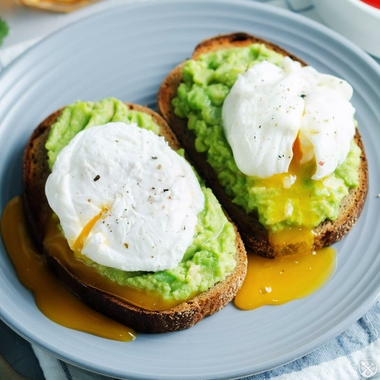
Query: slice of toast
point(253, 233)
point(182, 316)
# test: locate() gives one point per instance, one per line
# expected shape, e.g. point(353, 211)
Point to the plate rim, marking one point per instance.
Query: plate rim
point(251, 4)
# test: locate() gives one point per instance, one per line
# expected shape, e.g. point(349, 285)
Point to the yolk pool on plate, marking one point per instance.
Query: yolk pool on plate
point(52, 298)
point(283, 279)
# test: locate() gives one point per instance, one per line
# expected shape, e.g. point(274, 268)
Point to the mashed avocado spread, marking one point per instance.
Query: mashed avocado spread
point(200, 97)
point(211, 256)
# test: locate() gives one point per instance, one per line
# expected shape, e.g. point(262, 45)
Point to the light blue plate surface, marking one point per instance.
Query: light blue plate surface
point(126, 52)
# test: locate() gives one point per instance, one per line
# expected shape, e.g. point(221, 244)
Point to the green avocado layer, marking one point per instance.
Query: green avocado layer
point(200, 97)
point(211, 256)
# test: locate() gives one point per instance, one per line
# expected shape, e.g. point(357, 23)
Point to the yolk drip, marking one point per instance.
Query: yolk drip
point(292, 240)
point(52, 298)
point(297, 270)
point(292, 196)
point(283, 279)
point(57, 246)
point(79, 242)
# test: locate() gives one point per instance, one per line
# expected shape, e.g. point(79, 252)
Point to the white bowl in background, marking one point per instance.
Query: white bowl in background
point(355, 20)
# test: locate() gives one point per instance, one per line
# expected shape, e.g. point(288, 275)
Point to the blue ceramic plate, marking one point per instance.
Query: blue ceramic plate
point(126, 52)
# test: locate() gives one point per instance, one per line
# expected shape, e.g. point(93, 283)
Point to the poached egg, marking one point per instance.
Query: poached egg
point(270, 107)
point(124, 198)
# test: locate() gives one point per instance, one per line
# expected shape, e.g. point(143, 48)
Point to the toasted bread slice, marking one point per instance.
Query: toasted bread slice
point(253, 233)
point(182, 316)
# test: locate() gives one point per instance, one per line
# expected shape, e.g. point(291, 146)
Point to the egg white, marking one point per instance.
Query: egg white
point(269, 106)
point(144, 195)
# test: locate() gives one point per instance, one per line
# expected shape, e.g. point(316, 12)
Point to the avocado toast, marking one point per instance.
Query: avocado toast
point(178, 312)
point(191, 98)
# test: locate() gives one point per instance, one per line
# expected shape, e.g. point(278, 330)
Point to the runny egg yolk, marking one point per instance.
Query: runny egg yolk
point(79, 241)
point(292, 185)
point(51, 296)
point(297, 270)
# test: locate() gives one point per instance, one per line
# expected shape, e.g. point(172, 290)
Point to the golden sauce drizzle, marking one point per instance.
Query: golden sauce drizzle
point(52, 298)
point(283, 279)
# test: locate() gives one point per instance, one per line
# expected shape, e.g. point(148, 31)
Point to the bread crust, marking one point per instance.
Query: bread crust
point(253, 233)
point(37, 211)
